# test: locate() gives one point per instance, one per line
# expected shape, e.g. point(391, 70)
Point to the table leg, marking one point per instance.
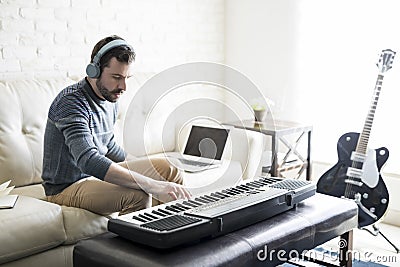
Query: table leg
point(274, 150)
point(346, 249)
point(308, 173)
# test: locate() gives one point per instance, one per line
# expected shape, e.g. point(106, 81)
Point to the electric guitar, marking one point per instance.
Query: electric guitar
point(356, 175)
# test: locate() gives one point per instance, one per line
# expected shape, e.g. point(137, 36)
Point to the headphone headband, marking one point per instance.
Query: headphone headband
point(93, 69)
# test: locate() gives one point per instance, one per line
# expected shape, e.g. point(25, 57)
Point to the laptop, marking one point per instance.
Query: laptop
point(204, 149)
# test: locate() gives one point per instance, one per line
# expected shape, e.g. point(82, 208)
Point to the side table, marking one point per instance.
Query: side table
point(279, 130)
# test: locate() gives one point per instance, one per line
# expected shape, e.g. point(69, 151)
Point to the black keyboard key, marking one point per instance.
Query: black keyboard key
point(195, 202)
point(159, 213)
point(139, 219)
point(217, 196)
point(190, 203)
point(201, 200)
point(210, 198)
point(164, 211)
point(180, 205)
point(170, 208)
point(145, 217)
point(150, 215)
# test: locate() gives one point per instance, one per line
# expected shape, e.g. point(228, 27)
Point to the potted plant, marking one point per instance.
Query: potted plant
point(260, 109)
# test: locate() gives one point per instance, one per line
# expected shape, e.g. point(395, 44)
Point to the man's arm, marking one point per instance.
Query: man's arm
point(115, 152)
point(124, 177)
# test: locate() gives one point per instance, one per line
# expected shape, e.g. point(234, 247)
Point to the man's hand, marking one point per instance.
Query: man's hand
point(161, 190)
point(167, 191)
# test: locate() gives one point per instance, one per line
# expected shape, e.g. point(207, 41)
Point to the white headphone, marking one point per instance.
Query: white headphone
point(93, 69)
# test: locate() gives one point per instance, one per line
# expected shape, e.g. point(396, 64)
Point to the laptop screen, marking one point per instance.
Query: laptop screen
point(206, 142)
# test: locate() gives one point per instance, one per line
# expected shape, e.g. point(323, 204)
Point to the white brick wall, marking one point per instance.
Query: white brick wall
point(55, 37)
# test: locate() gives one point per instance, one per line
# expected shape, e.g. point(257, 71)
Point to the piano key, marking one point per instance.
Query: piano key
point(265, 182)
point(207, 199)
point(159, 213)
point(247, 187)
point(216, 195)
point(229, 192)
point(191, 204)
point(199, 199)
point(242, 190)
point(164, 211)
point(195, 202)
point(173, 208)
point(259, 184)
point(145, 217)
point(269, 180)
point(221, 194)
point(150, 215)
point(253, 186)
point(242, 187)
point(210, 198)
point(181, 205)
point(216, 198)
point(237, 190)
point(139, 219)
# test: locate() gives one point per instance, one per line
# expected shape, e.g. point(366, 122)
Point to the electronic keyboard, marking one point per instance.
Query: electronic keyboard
point(191, 220)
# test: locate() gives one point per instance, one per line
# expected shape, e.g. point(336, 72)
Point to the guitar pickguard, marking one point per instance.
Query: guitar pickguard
point(370, 172)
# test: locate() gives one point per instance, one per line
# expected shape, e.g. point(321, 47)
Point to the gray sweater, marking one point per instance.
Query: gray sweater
point(78, 140)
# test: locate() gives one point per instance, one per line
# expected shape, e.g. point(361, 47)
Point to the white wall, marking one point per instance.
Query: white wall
point(55, 37)
point(316, 60)
point(260, 41)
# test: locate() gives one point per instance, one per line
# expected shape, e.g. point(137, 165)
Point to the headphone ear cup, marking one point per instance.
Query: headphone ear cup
point(93, 70)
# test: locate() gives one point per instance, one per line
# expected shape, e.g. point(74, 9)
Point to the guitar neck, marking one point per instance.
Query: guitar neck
point(364, 136)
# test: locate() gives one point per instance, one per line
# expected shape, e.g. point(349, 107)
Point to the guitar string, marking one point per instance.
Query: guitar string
point(362, 142)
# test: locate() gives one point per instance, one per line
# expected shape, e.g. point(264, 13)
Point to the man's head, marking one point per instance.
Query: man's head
point(109, 69)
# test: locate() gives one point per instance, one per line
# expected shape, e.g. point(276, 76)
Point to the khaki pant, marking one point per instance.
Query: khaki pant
point(105, 198)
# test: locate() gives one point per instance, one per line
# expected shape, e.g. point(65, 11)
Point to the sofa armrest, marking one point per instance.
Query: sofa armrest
point(247, 148)
point(32, 226)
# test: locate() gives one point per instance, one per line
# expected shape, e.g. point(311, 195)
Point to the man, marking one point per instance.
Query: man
point(83, 166)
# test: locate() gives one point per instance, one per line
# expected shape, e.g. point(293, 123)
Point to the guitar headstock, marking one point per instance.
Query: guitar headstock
point(385, 60)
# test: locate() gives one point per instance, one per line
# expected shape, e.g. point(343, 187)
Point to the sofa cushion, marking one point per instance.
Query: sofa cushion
point(32, 226)
point(35, 191)
point(24, 106)
point(80, 224)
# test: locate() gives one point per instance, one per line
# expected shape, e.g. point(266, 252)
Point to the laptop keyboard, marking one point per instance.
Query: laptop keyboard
point(194, 163)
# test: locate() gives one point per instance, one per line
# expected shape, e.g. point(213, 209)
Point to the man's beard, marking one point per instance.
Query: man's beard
point(108, 95)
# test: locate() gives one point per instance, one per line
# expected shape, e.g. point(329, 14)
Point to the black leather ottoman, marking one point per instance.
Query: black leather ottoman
point(312, 223)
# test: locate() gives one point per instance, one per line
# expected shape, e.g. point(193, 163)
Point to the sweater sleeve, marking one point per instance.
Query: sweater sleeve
point(115, 152)
point(73, 120)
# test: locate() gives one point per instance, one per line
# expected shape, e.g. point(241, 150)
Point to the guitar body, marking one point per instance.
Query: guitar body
point(333, 182)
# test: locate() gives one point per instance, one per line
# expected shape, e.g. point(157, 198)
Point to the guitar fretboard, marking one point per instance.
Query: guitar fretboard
point(362, 145)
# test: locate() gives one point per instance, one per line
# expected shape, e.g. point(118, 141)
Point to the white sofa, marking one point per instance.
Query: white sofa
point(39, 233)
